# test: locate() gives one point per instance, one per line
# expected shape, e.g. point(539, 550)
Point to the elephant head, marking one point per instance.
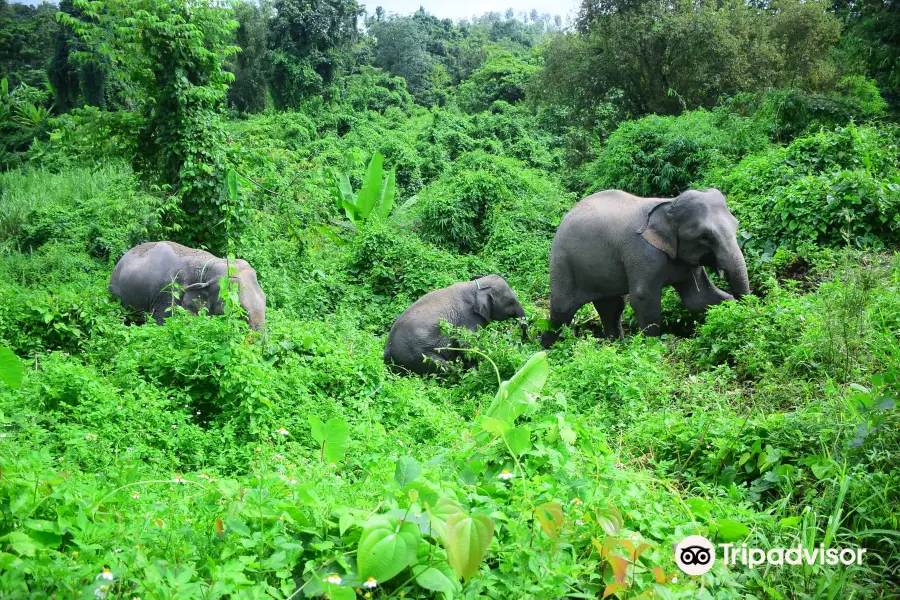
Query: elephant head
point(496, 301)
point(697, 229)
point(206, 294)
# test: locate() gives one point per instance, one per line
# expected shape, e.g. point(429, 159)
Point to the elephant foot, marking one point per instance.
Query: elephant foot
point(548, 338)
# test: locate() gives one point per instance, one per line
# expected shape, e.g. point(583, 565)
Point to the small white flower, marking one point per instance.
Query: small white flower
point(370, 583)
point(278, 457)
point(203, 476)
point(401, 443)
point(576, 501)
point(333, 578)
point(292, 481)
point(635, 537)
point(101, 591)
point(179, 479)
point(282, 431)
point(105, 574)
point(174, 426)
point(91, 436)
point(135, 495)
point(505, 475)
point(579, 522)
point(675, 579)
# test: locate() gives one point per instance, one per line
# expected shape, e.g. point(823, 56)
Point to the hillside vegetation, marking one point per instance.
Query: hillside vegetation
point(200, 459)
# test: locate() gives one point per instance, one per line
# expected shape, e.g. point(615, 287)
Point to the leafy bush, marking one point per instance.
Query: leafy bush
point(663, 156)
point(470, 201)
point(834, 188)
point(787, 114)
point(102, 211)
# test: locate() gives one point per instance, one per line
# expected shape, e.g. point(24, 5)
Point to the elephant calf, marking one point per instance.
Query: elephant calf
point(612, 243)
point(416, 336)
point(154, 277)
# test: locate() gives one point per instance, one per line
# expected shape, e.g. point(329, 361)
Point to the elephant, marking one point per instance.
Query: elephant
point(613, 243)
point(154, 277)
point(415, 339)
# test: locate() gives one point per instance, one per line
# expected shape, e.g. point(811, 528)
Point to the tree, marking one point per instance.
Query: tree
point(249, 91)
point(309, 43)
point(665, 58)
point(27, 36)
point(400, 50)
point(174, 50)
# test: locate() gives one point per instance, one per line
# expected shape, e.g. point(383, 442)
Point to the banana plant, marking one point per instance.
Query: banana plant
point(376, 197)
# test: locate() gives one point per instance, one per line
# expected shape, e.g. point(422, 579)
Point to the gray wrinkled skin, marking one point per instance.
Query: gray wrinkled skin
point(143, 280)
point(416, 335)
point(612, 244)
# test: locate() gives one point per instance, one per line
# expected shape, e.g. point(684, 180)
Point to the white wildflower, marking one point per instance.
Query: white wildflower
point(370, 583)
point(505, 475)
point(333, 578)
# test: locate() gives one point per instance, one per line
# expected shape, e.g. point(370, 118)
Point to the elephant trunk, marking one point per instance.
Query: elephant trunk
point(732, 263)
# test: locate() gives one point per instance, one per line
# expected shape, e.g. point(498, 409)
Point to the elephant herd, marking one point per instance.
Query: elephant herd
point(610, 245)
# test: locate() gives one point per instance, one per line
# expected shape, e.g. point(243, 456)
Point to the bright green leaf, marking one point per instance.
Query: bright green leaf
point(467, 541)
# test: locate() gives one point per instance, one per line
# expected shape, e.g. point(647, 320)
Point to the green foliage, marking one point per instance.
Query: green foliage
point(502, 77)
point(182, 139)
point(308, 42)
point(786, 114)
point(834, 188)
point(248, 92)
point(10, 368)
point(375, 197)
point(663, 156)
point(201, 459)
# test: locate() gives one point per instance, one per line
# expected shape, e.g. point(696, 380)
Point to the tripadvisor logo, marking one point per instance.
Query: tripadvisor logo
point(695, 555)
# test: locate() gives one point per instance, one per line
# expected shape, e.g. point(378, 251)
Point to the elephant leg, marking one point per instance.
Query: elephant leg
point(610, 310)
point(697, 292)
point(558, 318)
point(646, 303)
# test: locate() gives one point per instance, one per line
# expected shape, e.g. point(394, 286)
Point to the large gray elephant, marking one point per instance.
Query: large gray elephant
point(612, 243)
point(156, 276)
point(416, 336)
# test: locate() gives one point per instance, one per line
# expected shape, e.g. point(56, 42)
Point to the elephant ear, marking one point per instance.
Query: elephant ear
point(659, 231)
point(195, 294)
point(483, 300)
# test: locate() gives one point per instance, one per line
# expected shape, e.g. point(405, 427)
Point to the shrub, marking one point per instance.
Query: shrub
point(834, 188)
point(787, 114)
point(481, 194)
point(663, 156)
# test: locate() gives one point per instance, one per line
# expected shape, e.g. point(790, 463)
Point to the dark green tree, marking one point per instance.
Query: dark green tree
point(310, 41)
point(249, 91)
point(174, 51)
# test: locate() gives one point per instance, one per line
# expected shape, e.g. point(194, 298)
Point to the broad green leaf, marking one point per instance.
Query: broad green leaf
point(371, 188)
point(519, 439)
point(407, 471)
point(789, 522)
point(386, 201)
point(10, 368)
point(443, 510)
point(336, 592)
point(550, 515)
point(428, 496)
point(609, 519)
point(231, 182)
point(495, 426)
point(437, 577)
point(731, 531)
point(21, 544)
point(467, 541)
point(386, 547)
point(333, 437)
point(515, 395)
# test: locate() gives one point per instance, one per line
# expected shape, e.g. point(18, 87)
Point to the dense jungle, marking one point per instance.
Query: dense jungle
point(359, 159)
